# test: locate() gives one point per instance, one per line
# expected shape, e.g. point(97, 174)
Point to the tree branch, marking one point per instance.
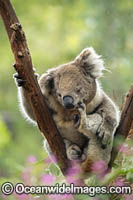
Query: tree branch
point(127, 115)
point(24, 68)
point(126, 123)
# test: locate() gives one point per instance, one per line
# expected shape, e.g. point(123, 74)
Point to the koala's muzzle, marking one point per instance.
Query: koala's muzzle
point(68, 102)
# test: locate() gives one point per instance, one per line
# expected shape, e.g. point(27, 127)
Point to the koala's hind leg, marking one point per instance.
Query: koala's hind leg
point(73, 151)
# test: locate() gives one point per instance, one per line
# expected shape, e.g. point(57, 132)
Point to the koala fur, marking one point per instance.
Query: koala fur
point(84, 115)
point(94, 152)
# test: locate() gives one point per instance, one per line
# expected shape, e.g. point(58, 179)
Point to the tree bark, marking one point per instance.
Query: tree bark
point(24, 68)
point(127, 115)
point(126, 124)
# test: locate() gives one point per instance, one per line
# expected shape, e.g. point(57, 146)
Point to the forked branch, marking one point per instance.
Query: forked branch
point(24, 68)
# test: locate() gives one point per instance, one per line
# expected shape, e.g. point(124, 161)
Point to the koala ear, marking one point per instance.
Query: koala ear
point(50, 82)
point(91, 62)
point(46, 81)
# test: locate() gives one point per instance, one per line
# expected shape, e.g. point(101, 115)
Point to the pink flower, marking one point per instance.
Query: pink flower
point(71, 180)
point(124, 149)
point(3, 196)
point(73, 173)
point(47, 179)
point(22, 196)
point(26, 176)
point(53, 158)
point(66, 196)
point(60, 197)
point(99, 167)
point(53, 197)
point(120, 181)
point(50, 159)
point(129, 197)
point(31, 159)
point(74, 170)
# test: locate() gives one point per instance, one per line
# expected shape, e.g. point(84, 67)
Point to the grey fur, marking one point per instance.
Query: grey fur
point(79, 79)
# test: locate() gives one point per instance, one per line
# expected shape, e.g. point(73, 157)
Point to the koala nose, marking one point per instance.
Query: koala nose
point(68, 102)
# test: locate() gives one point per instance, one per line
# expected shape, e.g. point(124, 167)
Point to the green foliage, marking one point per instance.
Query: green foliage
point(56, 32)
point(4, 136)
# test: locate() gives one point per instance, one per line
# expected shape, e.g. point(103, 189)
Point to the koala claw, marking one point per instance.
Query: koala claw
point(20, 82)
point(75, 153)
point(82, 110)
point(104, 137)
point(81, 105)
point(78, 117)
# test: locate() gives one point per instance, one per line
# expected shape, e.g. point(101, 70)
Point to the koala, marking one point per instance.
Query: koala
point(83, 113)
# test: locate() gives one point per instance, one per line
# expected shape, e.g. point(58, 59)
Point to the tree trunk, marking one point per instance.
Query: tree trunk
point(24, 68)
point(126, 124)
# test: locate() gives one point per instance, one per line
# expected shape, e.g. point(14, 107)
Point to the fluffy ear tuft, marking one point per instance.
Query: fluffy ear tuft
point(91, 62)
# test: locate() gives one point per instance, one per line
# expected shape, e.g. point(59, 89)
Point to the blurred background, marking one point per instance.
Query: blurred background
point(56, 31)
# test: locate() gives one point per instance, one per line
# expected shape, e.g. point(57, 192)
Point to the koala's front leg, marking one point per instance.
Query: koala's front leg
point(89, 124)
point(24, 103)
point(111, 117)
point(105, 133)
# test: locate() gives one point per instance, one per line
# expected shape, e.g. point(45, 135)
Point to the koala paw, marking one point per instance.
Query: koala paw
point(81, 106)
point(82, 112)
point(77, 118)
point(20, 82)
point(75, 153)
point(104, 136)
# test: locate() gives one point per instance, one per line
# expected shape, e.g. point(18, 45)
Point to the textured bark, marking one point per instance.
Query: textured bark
point(127, 115)
point(126, 124)
point(24, 68)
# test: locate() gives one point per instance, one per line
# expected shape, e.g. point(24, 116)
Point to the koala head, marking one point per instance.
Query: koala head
point(75, 82)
